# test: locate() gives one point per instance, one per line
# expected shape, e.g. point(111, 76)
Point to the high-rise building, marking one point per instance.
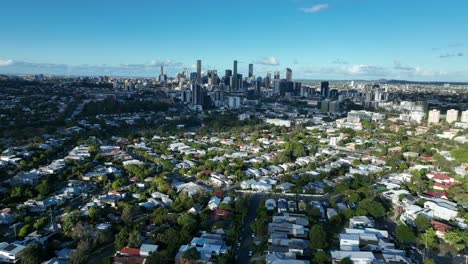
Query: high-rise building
point(259, 85)
point(277, 75)
point(324, 89)
point(234, 102)
point(199, 72)
point(268, 80)
point(324, 106)
point(433, 117)
point(334, 107)
point(250, 70)
point(186, 74)
point(288, 75)
point(235, 82)
point(162, 76)
point(464, 116)
point(452, 116)
point(228, 73)
point(197, 94)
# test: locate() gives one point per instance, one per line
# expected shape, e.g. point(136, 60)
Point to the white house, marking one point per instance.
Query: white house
point(9, 253)
point(214, 203)
point(442, 208)
point(357, 257)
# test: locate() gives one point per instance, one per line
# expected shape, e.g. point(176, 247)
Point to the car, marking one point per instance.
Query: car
point(250, 253)
point(238, 244)
point(253, 234)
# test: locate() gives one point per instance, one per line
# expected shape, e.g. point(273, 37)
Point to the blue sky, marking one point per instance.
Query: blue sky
point(318, 39)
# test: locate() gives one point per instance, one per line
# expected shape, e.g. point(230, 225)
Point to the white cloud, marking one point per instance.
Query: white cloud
point(398, 66)
point(451, 55)
point(315, 8)
point(6, 62)
point(165, 63)
point(364, 69)
point(340, 61)
point(271, 61)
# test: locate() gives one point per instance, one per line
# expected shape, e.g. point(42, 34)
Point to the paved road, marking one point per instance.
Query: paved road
point(246, 239)
point(100, 254)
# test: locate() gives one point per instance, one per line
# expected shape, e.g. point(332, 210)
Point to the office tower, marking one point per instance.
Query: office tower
point(193, 77)
point(268, 80)
point(324, 89)
point(334, 107)
point(227, 77)
point(199, 74)
point(240, 82)
point(276, 87)
point(259, 85)
point(288, 75)
point(162, 76)
point(228, 73)
point(434, 117)
point(235, 82)
point(452, 116)
point(197, 94)
point(250, 70)
point(464, 116)
point(277, 75)
point(186, 72)
point(324, 106)
point(234, 102)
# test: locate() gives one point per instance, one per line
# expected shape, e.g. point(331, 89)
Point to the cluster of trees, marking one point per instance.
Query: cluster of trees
point(111, 106)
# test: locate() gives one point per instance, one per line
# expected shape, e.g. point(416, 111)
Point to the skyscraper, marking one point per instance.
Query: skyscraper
point(162, 77)
point(288, 75)
point(197, 94)
point(235, 82)
point(199, 76)
point(277, 75)
point(268, 80)
point(250, 70)
point(186, 74)
point(324, 89)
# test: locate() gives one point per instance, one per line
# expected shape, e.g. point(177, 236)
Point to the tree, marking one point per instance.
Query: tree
point(32, 254)
point(404, 234)
point(346, 260)
point(191, 254)
point(70, 222)
point(82, 253)
point(40, 223)
point(93, 212)
point(429, 261)
point(187, 221)
point(24, 231)
point(134, 239)
point(121, 240)
point(128, 213)
point(322, 257)
point(422, 223)
point(428, 238)
point(373, 208)
point(455, 239)
point(318, 237)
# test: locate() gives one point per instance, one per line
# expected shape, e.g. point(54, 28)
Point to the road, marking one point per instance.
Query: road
point(246, 239)
point(100, 254)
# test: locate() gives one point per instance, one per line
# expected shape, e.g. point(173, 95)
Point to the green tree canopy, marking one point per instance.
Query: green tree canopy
point(318, 237)
point(404, 234)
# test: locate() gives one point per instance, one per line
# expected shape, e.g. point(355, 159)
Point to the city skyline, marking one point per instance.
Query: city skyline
point(334, 39)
